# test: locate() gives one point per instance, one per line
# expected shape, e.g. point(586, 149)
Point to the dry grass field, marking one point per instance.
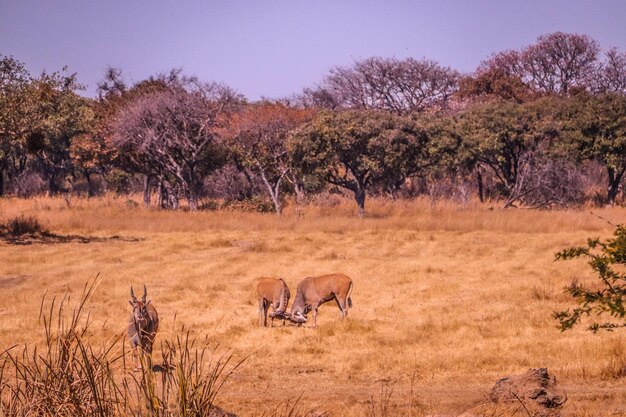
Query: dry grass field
point(446, 300)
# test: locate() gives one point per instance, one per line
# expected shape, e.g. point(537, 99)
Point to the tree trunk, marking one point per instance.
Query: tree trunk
point(479, 180)
point(274, 190)
point(2, 182)
point(299, 190)
point(90, 192)
point(275, 200)
point(174, 203)
point(359, 196)
point(615, 180)
point(193, 201)
point(53, 189)
point(250, 190)
point(160, 191)
point(146, 190)
point(275, 194)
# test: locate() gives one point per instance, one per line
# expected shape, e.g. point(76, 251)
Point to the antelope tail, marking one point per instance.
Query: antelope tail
point(348, 296)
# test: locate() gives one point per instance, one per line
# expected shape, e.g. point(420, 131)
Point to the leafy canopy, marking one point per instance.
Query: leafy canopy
point(608, 260)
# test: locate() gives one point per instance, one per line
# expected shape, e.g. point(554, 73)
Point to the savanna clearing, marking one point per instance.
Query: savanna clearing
point(446, 300)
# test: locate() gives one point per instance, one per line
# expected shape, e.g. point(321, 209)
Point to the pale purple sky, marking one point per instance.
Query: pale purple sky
point(275, 48)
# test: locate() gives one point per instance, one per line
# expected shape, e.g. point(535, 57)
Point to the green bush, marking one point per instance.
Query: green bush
point(120, 182)
point(608, 260)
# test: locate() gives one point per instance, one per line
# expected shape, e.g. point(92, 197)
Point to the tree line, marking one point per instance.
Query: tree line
point(542, 126)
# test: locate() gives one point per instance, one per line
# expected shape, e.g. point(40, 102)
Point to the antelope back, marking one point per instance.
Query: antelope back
point(315, 289)
point(270, 289)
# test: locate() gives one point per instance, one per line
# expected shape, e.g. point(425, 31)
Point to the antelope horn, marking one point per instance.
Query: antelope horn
point(145, 293)
point(132, 294)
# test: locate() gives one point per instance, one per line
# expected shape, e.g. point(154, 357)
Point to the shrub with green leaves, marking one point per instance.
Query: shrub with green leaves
point(608, 260)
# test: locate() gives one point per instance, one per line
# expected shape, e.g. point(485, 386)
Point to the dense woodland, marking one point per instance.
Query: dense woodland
point(543, 126)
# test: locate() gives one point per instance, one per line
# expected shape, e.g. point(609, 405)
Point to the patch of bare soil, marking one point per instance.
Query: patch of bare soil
point(12, 280)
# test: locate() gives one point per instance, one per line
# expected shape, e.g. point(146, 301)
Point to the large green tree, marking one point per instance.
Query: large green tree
point(594, 128)
point(15, 117)
point(507, 138)
point(60, 115)
point(39, 117)
point(358, 149)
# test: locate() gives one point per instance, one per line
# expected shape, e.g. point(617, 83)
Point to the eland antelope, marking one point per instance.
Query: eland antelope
point(315, 291)
point(272, 292)
point(142, 325)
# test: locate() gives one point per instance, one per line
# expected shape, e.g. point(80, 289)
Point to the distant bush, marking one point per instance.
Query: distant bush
point(24, 225)
point(209, 205)
point(30, 184)
point(120, 182)
point(253, 204)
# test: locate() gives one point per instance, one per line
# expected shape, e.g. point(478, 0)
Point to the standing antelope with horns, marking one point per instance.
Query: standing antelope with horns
point(142, 325)
point(272, 292)
point(315, 291)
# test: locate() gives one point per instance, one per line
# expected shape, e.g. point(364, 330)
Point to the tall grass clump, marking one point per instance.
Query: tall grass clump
point(187, 380)
point(69, 376)
point(292, 408)
point(64, 377)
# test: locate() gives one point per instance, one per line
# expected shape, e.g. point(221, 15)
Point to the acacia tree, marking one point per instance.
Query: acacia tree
point(397, 86)
point(258, 135)
point(15, 117)
point(612, 74)
point(59, 115)
point(508, 139)
point(114, 96)
point(595, 127)
point(357, 149)
point(39, 119)
point(91, 155)
point(558, 63)
point(172, 135)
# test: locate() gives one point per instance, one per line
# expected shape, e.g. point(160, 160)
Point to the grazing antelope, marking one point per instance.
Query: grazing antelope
point(274, 292)
point(315, 291)
point(142, 325)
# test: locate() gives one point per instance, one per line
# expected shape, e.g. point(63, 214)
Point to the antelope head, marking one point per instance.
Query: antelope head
point(298, 316)
point(279, 314)
point(140, 308)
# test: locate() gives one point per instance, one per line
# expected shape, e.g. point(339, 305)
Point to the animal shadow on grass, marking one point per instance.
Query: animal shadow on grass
point(51, 238)
point(162, 367)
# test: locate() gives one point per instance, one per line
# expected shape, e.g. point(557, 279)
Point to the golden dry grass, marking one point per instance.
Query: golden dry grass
point(450, 298)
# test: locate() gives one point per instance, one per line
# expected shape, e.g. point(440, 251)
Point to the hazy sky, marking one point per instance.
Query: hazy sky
point(275, 48)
